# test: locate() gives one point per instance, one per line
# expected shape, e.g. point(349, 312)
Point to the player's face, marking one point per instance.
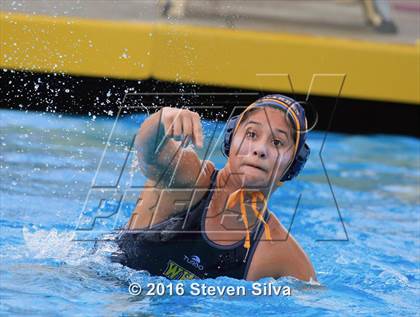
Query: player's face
point(262, 147)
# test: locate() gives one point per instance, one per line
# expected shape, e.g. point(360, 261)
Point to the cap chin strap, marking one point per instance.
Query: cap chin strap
point(238, 196)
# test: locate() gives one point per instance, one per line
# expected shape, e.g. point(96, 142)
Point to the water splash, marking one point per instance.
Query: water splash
point(52, 244)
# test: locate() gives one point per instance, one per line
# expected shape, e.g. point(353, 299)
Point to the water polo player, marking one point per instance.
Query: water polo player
point(226, 229)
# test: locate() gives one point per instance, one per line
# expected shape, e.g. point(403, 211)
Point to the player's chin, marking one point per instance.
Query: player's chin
point(256, 181)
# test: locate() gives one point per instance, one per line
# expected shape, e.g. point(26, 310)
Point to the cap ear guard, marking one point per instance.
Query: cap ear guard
point(230, 128)
point(298, 163)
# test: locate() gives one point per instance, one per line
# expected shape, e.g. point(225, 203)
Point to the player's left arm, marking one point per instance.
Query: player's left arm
point(282, 256)
point(293, 261)
point(289, 257)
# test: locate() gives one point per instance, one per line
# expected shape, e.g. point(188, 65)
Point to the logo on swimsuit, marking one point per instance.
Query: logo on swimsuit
point(174, 271)
point(194, 261)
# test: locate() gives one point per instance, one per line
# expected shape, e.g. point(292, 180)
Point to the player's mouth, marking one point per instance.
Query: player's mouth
point(255, 166)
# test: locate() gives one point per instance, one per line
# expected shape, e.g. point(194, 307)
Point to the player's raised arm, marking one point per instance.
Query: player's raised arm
point(164, 159)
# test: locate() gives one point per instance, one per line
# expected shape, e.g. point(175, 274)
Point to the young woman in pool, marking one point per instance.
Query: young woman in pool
point(226, 228)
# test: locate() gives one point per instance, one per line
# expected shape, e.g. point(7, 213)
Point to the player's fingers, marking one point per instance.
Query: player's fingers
point(167, 122)
point(197, 130)
point(186, 125)
point(177, 126)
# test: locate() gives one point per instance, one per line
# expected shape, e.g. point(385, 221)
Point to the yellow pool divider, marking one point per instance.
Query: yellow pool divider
point(211, 56)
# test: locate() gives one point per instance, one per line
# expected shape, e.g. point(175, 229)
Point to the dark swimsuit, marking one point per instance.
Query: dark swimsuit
point(189, 253)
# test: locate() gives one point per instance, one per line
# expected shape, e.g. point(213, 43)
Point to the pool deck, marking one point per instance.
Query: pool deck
point(343, 19)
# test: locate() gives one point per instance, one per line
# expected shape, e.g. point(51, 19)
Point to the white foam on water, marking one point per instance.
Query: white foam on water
point(52, 244)
point(62, 247)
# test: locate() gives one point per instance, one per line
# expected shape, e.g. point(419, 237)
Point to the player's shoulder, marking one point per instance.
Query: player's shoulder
point(282, 242)
point(207, 169)
point(277, 230)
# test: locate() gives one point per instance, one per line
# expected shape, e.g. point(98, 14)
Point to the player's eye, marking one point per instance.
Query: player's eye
point(278, 143)
point(250, 134)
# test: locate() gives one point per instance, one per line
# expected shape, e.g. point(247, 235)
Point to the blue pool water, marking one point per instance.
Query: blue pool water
point(369, 266)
